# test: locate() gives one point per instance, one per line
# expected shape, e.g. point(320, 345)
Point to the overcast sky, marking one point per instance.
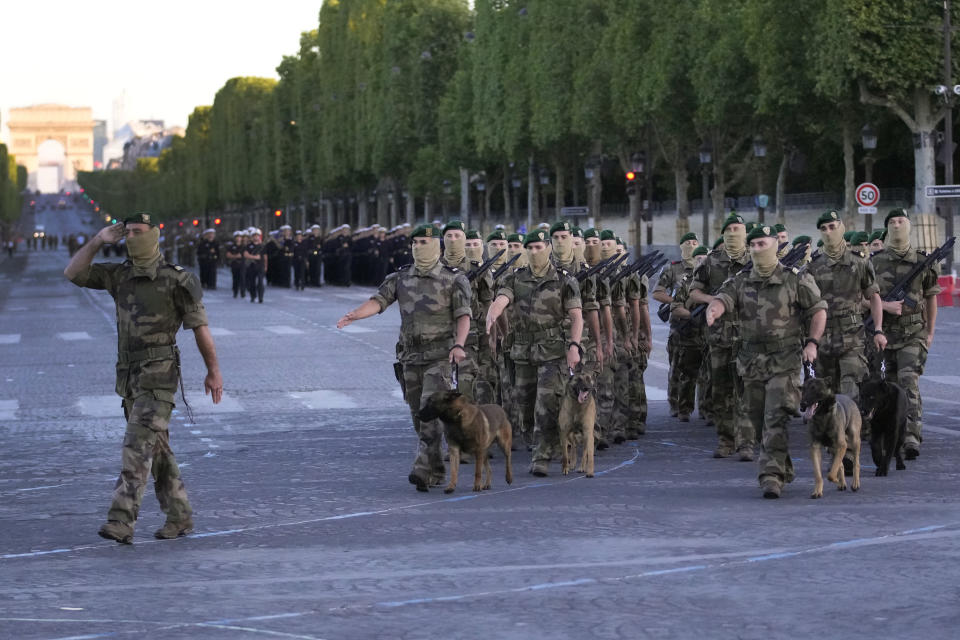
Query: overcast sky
point(169, 55)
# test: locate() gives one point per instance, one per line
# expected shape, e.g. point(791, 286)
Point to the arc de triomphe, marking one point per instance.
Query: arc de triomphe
point(72, 127)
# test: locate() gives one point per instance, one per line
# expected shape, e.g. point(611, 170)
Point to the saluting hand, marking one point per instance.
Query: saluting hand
point(111, 234)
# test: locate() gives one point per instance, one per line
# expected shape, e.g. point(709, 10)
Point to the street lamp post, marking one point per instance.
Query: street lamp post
point(638, 164)
point(591, 171)
point(447, 190)
point(759, 152)
point(544, 183)
point(706, 157)
point(481, 186)
point(516, 183)
point(868, 138)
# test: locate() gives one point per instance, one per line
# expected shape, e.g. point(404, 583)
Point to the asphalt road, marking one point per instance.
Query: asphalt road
point(307, 527)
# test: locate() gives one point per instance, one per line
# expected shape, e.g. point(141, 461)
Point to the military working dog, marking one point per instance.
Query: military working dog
point(578, 413)
point(885, 407)
point(834, 421)
point(473, 428)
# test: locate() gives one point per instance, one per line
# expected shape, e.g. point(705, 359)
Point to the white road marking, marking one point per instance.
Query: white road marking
point(228, 404)
point(100, 406)
point(353, 296)
point(324, 399)
point(948, 432)
point(948, 380)
point(8, 409)
point(74, 335)
point(656, 393)
point(352, 328)
point(10, 338)
point(284, 330)
point(398, 393)
point(220, 331)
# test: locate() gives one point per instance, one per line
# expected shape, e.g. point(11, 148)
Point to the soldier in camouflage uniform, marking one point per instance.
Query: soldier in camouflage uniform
point(876, 240)
point(689, 338)
point(434, 302)
point(671, 279)
point(613, 383)
point(844, 279)
point(636, 290)
point(909, 331)
point(773, 304)
point(565, 258)
point(496, 241)
point(783, 238)
point(153, 299)
point(542, 352)
point(720, 265)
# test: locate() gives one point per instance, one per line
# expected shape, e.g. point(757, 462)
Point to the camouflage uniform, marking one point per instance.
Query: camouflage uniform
point(636, 289)
point(670, 281)
point(688, 345)
point(430, 304)
point(772, 313)
point(539, 349)
point(717, 267)
point(615, 392)
point(474, 372)
point(152, 302)
point(842, 284)
point(906, 352)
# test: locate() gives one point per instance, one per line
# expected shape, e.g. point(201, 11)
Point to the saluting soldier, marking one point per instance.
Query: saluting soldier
point(208, 256)
point(773, 305)
point(909, 332)
point(434, 302)
point(153, 299)
point(542, 352)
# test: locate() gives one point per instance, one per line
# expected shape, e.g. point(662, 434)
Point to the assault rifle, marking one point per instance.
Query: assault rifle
point(642, 266)
point(615, 261)
point(663, 311)
point(506, 265)
point(586, 273)
point(900, 291)
point(479, 270)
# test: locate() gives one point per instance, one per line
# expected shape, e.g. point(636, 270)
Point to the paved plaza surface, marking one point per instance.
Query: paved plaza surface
point(306, 526)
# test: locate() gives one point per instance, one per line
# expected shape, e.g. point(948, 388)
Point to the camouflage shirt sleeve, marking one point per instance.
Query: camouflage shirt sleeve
point(728, 293)
point(188, 299)
point(929, 281)
point(666, 280)
point(808, 296)
point(461, 296)
point(97, 276)
point(485, 289)
point(637, 288)
point(571, 294)
point(506, 286)
point(701, 277)
point(387, 293)
point(868, 280)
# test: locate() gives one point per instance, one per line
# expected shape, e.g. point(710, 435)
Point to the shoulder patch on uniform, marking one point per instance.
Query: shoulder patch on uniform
point(453, 269)
point(175, 267)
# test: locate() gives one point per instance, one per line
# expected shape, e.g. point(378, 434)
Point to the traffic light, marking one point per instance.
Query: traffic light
point(160, 225)
point(278, 213)
point(631, 183)
point(196, 222)
point(216, 221)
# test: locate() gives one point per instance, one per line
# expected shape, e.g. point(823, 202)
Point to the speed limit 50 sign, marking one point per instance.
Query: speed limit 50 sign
point(868, 195)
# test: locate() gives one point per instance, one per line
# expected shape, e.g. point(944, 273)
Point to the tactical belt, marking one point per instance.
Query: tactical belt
point(904, 320)
point(845, 320)
point(770, 345)
point(153, 353)
point(526, 337)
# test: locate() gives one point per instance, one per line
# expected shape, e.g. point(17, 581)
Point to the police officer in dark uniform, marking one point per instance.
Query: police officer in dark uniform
point(285, 246)
point(257, 262)
point(301, 251)
point(208, 255)
point(315, 255)
point(234, 254)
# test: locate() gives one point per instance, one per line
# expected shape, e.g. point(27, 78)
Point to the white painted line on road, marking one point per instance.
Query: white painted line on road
point(948, 380)
point(947, 432)
point(398, 393)
point(324, 399)
point(355, 329)
point(353, 296)
point(228, 404)
point(9, 338)
point(656, 393)
point(100, 406)
point(8, 409)
point(65, 306)
point(220, 331)
point(17, 309)
point(284, 330)
point(74, 335)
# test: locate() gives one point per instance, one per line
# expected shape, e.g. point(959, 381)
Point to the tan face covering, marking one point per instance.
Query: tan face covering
point(492, 250)
point(735, 243)
point(764, 260)
point(540, 261)
point(833, 243)
point(578, 252)
point(453, 250)
point(563, 247)
point(686, 254)
point(607, 252)
point(425, 256)
point(591, 253)
point(522, 260)
point(898, 238)
point(474, 254)
point(144, 248)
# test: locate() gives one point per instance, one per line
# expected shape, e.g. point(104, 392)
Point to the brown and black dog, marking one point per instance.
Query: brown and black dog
point(473, 428)
point(835, 424)
point(578, 413)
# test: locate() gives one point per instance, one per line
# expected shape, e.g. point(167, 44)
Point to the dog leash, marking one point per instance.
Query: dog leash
point(808, 371)
point(455, 378)
point(883, 368)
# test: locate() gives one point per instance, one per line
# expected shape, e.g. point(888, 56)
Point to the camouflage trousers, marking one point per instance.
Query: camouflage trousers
point(768, 406)
point(684, 371)
point(538, 390)
point(146, 450)
point(478, 381)
point(904, 366)
point(672, 375)
point(420, 381)
point(845, 369)
point(637, 396)
point(705, 385)
point(613, 396)
point(507, 393)
point(724, 397)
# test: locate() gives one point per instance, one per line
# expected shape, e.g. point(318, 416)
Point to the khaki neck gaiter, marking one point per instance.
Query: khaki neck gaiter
point(563, 248)
point(540, 261)
point(453, 250)
point(686, 255)
point(765, 260)
point(144, 248)
point(521, 261)
point(607, 252)
point(474, 254)
point(591, 253)
point(578, 253)
point(492, 250)
point(898, 239)
point(735, 243)
point(834, 246)
point(425, 256)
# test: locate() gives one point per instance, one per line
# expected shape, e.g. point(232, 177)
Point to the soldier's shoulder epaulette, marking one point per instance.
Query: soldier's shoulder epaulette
point(175, 267)
point(876, 252)
point(451, 269)
point(563, 271)
point(922, 252)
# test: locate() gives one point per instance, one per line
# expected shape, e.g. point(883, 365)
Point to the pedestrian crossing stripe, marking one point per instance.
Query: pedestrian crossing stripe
point(9, 338)
point(324, 399)
point(220, 331)
point(8, 409)
point(284, 330)
point(74, 335)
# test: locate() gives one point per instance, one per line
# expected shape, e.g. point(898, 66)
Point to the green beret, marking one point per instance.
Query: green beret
point(497, 235)
point(819, 243)
point(780, 228)
point(607, 234)
point(515, 237)
point(700, 251)
point(801, 240)
point(860, 237)
point(877, 235)
point(827, 216)
point(718, 242)
point(690, 235)
point(425, 231)
point(456, 225)
point(140, 218)
point(576, 232)
point(560, 225)
point(848, 236)
point(765, 231)
point(473, 234)
point(591, 233)
point(733, 218)
point(751, 226)
point(535, 236)
point(894, 213)
point(621, 242)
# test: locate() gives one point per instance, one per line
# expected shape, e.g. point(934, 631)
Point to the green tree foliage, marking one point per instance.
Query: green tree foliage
point(12, 182)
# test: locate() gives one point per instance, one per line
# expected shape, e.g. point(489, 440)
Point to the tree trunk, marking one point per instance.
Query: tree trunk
point(508, 213)
point(560, 200)
point(849, 178)
point(411, 212)
point(533, 200)
point(464, 194)
point(681, 179)
point(428, 210)
point(596, 183)
point(781, 194)
point(718, 195)
point(362, 208)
